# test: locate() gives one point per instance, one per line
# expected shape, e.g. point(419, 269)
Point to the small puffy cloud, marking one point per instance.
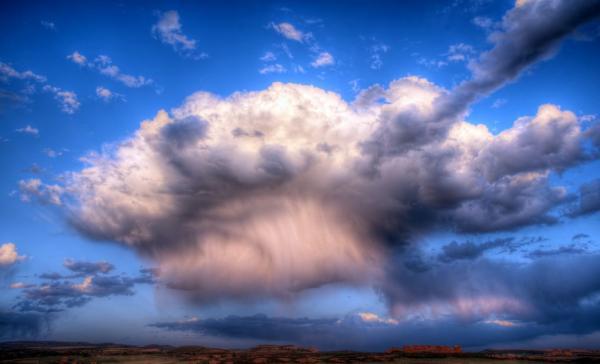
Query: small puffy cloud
point(78, 58)
point(168, 30)
point(28, 130)
point(67, 99)
point(272, 68)
point(289, 31)
point(52, 153)
point(34, 188)
point(106, 95)
point(323, 59)
point(9, 255)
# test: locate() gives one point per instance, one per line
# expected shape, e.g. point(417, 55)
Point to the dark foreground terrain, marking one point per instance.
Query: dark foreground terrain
point(57, 352)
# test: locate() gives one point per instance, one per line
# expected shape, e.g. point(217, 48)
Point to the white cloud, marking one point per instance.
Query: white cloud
point(67, 99)
point(105, 66)
point(168, 30)
point(323, 59)
point(106, 95)
point(289, 31)
point(229, 179)
point(272, 68)
point(28, 130)
point(78, 58)
point(268, 57)
point(9, 254)
point(7, 72)
point(460, 52)
point(45, 193)
point(377, 50)
point(484, 22)
point(51, 153)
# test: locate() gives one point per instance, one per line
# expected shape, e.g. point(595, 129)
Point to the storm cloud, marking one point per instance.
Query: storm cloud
point(270, 193)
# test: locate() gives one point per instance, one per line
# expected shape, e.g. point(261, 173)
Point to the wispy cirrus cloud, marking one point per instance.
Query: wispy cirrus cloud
point(105, 66)
point(168, 29)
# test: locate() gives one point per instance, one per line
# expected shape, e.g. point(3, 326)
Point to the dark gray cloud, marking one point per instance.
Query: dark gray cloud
point(88, 267)
point(15, 325)
point(471, 250)
point(552, 289)
point(529, 33)
point(255, 327)
point(353, 331)
point(68, 291)
point(588, 199)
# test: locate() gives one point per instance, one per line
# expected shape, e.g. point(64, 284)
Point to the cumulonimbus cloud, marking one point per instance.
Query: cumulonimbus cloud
point(270, 193)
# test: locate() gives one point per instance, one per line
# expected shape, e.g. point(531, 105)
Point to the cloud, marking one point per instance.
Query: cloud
point(64, 291)
point(567, 249)
point(323, 59)
point(271, 193)
point(498, 103)
point(106, 95)
point(48, 25)
point(268, 57)
point(589, 199)
point(88, 267)
point(67, 99)
point(528, 33)
point(272, 68)
point(78, 58)
point(469, 250)
point(7, 72)
point(44, 193)
point(377, 50)
point(168, 31)
point(289, 31)
point(460, 52)
point(28, 130)
point(484, 289)
point(105, 66)
point(9, 255)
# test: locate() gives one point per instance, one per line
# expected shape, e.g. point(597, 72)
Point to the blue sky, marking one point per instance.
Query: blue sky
point(433, 157)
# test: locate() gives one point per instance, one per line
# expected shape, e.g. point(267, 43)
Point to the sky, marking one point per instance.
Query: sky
point(343, 175)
